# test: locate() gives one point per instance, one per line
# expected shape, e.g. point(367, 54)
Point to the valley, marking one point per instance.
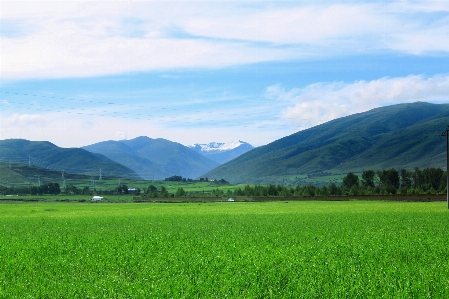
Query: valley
point(405, 136)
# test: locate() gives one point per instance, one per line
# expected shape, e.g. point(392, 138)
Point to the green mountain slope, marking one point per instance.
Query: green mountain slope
point(19, 174)
point(405, 135)
point(154, 158)
point(70, 160)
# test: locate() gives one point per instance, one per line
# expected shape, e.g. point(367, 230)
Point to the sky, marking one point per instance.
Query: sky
point(80, 72)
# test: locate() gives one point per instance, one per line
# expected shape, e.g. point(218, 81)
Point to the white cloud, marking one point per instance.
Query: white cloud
point(419, 6)
point(423, 40)
point(312, 24)
point(321, 102)
point(86, 56)
point(25, 120)
point(70, 39)
point(74, 130)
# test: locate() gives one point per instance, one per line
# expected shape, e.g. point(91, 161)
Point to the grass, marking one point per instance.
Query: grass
point(110, 184)
point(349, 249)
point(66, 198)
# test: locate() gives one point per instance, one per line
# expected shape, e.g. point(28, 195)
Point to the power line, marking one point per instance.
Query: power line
point(230, 119)
point(121, 114)
point(127, 105)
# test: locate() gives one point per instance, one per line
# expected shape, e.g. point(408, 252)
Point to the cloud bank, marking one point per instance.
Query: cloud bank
point(76, 39)
point(322, 102)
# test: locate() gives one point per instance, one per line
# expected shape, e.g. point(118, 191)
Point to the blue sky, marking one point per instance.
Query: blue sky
point(80, 72)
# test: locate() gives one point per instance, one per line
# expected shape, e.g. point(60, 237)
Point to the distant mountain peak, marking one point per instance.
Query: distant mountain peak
point(218, 146)
point(155, 158)
point(222, 152)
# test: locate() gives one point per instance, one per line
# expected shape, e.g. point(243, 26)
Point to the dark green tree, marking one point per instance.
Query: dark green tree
point(389, 177)
point(164, 192)
point(406, 178)
point(43, 189)
point(272, 190)
point(180, 192)
point(418, 178)
point(54, 188)
point(368, 178)
point(334, 189)
point(125, 189)
point(151, 189)
point(350, 180)
point(432, 177)
point(72, 189)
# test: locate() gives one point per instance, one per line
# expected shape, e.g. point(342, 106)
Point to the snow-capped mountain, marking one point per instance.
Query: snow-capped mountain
point(222, 152)
point(218, 146)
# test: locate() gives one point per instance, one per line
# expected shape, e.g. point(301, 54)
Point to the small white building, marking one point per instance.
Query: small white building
point(96, 198)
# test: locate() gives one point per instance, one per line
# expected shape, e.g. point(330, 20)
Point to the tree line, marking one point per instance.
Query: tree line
point(390, 181)
point(429, 180)
point(50, 188)
point(381, 182)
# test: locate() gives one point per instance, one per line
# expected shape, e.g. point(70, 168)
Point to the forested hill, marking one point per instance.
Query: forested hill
point(46, 155)
point(397, 136)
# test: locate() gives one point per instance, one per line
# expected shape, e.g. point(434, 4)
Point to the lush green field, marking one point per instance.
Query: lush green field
point(351, 249)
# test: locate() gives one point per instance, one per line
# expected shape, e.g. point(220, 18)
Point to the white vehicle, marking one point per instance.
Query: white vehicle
point(96, 198)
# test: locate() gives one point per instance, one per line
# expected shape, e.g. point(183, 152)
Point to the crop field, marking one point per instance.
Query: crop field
point(350, 249)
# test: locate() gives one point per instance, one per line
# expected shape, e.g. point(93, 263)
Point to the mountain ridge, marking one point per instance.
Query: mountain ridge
point(348, 144)
point(154, 158)
point(47, 155)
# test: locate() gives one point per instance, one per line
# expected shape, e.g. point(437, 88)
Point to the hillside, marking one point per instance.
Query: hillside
point(46, 155)
point(399, 136)
point(222, 152)
point(154, 158)
point(19, 174)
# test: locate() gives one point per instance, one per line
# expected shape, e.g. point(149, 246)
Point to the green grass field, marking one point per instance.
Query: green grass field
point(351, 249)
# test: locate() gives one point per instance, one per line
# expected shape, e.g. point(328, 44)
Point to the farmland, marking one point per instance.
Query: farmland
point(351, 249)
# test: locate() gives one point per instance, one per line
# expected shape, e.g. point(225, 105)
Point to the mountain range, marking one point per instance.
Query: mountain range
point(47, 155)
point(222, 152)
point(399, 136)
point(155, 158)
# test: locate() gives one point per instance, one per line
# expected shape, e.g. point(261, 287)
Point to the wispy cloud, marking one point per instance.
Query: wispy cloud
point(72, 39)
point(162, 68)
point(24, 121)
point(73, 130)
point(79, 130)
point(321, 102)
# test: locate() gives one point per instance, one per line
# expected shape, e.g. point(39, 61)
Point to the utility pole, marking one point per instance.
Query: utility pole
point(446, 133)
point(100, 175)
